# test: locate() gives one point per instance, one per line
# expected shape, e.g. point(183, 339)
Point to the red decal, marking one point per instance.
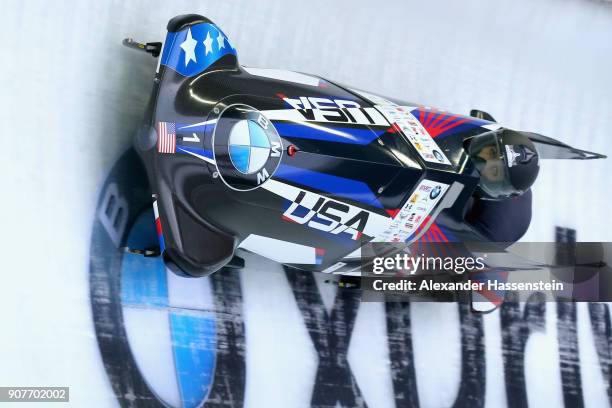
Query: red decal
point(393, 213)
point(438, 122)
point(285, 218)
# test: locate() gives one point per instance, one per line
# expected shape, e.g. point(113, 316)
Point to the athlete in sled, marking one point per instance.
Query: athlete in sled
point(305, 171)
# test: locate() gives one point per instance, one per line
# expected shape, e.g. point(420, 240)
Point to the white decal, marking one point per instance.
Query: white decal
point(414, 212)
point(326, 214)
point(512, 155)
point(283, 75)
point(208, 122)
point(199, 156)
point(279, 251)
point(263, 122)
point(414, 132)
point(262, 176)
point(327, 110)
point(275, 150)
point(334, 267)
point(194, 138)
point(354, 255)
point(492, 126)
point(189, 47)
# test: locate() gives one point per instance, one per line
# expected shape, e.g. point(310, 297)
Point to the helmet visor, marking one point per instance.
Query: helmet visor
point(487, 152)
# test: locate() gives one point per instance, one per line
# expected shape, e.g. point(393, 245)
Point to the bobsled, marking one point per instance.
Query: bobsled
point(294, 167)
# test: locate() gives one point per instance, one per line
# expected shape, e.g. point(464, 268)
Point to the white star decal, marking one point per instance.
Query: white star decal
point(221, 40)
point(189, 47)
point(208, 43)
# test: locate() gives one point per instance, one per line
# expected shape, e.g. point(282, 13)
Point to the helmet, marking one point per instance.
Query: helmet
point(507, 161)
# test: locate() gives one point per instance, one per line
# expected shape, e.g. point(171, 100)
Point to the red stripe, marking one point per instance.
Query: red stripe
point(158, 226)
point(453, 125)
point(491, 296)
point(393, 213)
point(432, 117)
point(425, 117)
point(432, 231)
point(437, 120)
point(159, 136)
point(435, 131)
point(442, 234)
point(164, 137)
point(439, 234)
point(430, 250)
point(285, 218)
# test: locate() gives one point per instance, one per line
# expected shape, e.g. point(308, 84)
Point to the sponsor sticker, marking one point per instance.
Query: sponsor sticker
point(420, 204)
point(414, 132)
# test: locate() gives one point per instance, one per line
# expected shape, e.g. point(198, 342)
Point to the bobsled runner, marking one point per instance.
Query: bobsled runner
point(303, 170)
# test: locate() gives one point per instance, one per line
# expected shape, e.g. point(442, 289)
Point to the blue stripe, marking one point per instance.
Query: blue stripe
point(338, 135)
point(464, 127)
point(339, 186)
point(194, 345)
point(202, 152)
point(450, 236)
point(180, 127)
point(162, 243)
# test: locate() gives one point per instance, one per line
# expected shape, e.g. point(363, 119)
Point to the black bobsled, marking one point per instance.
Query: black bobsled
point(295, 167)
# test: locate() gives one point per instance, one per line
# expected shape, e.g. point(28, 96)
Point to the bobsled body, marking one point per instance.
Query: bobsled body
point(291, 166)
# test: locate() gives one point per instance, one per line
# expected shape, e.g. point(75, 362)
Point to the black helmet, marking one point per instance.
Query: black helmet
point(508, 163)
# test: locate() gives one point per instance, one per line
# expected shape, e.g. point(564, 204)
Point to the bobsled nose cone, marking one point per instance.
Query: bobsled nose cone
point(194, 44)
point(182, 21)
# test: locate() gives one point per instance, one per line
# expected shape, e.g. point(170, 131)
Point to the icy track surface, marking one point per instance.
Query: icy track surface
point(70, 100)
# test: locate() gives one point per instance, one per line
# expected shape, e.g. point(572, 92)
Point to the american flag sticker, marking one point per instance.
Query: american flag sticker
point(166, 137)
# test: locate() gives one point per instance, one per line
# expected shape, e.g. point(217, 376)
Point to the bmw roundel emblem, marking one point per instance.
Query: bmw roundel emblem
point(438, 155)
point(249, 146)
point(435, 192)
point(246, 147)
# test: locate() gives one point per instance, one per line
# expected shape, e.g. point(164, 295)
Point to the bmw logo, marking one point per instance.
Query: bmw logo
point(246, 147)
point(438, 155)
point(249, 146)
point(165, 341)
point(435, 192)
